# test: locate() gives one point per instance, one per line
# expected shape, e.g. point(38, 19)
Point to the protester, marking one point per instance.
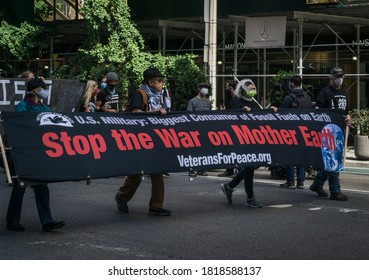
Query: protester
point(103, 83)
point(200, 102)
point(332, 97)
point(36, 91)
point(246, 90)
point(156, 101)
point(89, 97)
point(296, 99)
point(28, 74)
point(230, 93)
point(107, 99)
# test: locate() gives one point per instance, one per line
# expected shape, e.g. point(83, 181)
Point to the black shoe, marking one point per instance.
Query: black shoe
point(227, 191)
point(288, 185)
point(300, 185)
point(53, 225)
point(160, 212)
point(319, 191)
point(251, 202)
point(339, 196)
point(225, 174)
point(122, 206)
point(17, 227)
point(166, 175)
point(202, 173)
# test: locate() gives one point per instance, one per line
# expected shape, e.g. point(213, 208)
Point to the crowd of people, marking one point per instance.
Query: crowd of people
point(153, 96)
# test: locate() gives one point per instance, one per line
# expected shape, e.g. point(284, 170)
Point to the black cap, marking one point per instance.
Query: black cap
point(204, 84)
point(337, 72)
point(111, 76)
point(151, 73)
point(35, 83)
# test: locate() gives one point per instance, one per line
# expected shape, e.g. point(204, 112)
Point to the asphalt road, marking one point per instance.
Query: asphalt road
point(292, 225)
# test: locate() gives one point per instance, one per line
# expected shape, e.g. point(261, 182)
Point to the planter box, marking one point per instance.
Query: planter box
point(361, 144)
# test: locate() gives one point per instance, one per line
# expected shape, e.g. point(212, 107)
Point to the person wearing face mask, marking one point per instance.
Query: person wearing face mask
point(298, 98)
point(200, 102)
point(107, 99)
point(35, 92)
point(332, 97)
point(246, 90)
point(153, 97)
point(230, 94)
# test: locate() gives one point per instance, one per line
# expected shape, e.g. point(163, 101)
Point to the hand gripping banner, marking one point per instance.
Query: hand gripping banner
point(52, 147)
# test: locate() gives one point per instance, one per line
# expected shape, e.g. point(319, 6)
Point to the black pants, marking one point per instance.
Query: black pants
point(247, 174)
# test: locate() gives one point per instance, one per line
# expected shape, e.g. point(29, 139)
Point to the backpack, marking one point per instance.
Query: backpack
point(301, 101)
point(127, 107)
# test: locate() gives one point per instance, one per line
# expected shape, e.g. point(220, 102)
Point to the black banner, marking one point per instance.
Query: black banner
point(64, 95)
point(53, 147)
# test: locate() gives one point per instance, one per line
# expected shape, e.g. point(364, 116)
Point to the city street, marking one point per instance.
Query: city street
point(293, 224)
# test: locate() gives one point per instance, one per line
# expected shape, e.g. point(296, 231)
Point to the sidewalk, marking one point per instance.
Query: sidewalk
point(353, 162)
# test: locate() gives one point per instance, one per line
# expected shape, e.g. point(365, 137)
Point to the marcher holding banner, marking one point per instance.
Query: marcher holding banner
point(332, 97)
point(246, 90)
point(31, 103)
point(153, 87)
point(296, 99)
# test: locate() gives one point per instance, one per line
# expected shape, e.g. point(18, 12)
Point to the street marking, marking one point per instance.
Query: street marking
point(281, 205)
point(315, 209)
point(346, 210)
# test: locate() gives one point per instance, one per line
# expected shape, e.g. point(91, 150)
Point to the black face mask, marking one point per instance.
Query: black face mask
point(111, 87)
point(228, 92)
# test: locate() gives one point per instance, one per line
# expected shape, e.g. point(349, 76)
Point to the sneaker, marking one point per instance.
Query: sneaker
point(339, 196)
point(166, 175)
point(320, 191)
point(51, 226)
point(227, 191)
point(300, 185)
point(225, 174)
point(202, 173)
point(122, 206)
point(251, 202)
point(17, 227)
point(160, 212)
point(288, 185)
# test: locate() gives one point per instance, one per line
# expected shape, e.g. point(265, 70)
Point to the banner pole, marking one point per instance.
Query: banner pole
point(5, 161)
point(345, 145)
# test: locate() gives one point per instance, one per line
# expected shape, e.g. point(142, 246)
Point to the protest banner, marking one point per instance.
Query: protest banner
point(52, 147)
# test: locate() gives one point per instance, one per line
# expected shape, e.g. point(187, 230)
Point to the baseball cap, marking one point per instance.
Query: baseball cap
point(35, 83)
point(337, 72)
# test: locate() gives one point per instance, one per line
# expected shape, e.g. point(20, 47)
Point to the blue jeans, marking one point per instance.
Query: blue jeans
point(290, 174)
point(247, 175)
point(42, 195)
point(333, 181)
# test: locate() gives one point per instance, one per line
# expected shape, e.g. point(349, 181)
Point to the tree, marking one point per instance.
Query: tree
point(115, 44)
point(17, 41)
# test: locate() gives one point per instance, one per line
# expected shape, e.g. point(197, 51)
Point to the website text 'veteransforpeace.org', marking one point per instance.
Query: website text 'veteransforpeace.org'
point(220, 158)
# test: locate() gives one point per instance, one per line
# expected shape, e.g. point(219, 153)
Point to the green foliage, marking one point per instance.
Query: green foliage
point(360, 121)
point(122, 51)
point(17, 41)
point(42, 9)
point(278, 84)
point(186, 76)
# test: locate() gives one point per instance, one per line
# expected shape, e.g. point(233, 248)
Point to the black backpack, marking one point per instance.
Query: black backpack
point(301, 101)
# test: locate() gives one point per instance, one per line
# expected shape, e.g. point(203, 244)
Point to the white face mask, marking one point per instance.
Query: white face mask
point(338, 81)
point(43, 94)
point(204, 91)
